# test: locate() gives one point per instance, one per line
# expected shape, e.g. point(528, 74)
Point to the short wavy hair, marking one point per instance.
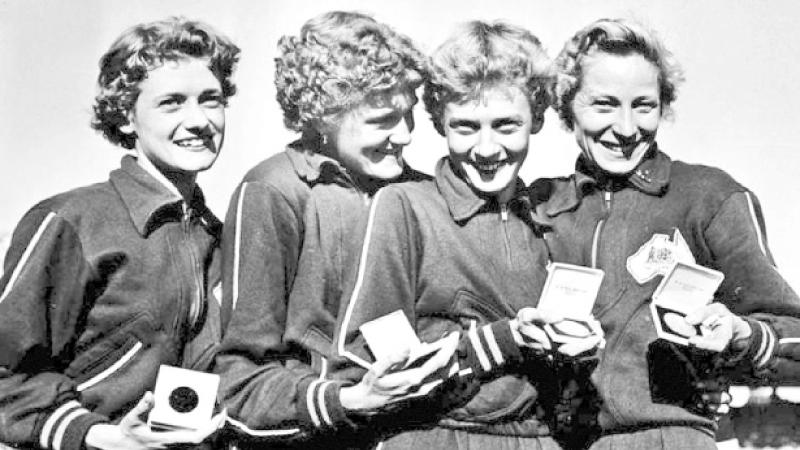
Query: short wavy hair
point(480, 56)
point(617, 37)
point(339, 60)
point(145, 47)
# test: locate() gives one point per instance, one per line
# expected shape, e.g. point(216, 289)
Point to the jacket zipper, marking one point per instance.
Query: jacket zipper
point(599, 227)
point(197, 299)
point(607, 200)
point(504, 220)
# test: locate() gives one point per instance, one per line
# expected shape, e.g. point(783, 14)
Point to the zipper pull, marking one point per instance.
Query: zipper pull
point(187, 217)
point(608, 199)
point(504, 212)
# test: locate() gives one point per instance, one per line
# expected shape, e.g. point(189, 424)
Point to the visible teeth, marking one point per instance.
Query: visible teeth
point(195, 142)
point(487, 167)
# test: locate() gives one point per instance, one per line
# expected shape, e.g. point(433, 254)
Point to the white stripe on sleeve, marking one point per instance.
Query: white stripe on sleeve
point(53, 419)
point(476, 344)
point(24, 259)
point(62, 427)
point(237, 242)
point(488, 333)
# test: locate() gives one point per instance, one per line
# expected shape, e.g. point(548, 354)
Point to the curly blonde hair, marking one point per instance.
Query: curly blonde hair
point(339, 60)
point(481, 55)
point(617, 37)
point(145, 47)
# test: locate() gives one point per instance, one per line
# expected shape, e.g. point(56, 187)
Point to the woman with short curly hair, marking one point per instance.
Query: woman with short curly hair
point(105, 283)
point(459, 253)
point(347, 83)
point(633, 212)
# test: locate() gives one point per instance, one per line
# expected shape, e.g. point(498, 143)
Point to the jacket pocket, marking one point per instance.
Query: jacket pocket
point(110, 362)
point(107, 356)
point(508, 398)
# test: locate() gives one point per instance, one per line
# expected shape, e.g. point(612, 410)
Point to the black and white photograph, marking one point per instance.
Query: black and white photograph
point(297, 224)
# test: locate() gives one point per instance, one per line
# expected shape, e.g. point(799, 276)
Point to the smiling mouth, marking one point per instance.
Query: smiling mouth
point(391, 150)
point(202, 142)
point(625, 150)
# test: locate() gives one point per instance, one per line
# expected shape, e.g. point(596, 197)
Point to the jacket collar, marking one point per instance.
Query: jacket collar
point(312, 166)
point(150, 204)
point(650, 177)
point(462, 201)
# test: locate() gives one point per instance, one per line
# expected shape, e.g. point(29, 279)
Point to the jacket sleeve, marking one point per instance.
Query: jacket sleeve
point(753, 287)
point(41, 303)
point(269, 389)
point(386, 281)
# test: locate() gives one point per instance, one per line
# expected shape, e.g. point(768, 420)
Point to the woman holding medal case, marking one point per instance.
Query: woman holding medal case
point(346, 83)
point(459, 252)
point(105, 283)
point(631, 211)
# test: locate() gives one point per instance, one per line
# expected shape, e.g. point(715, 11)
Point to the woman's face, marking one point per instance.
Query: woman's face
point(488, 138)
point(617, 110)
point(179, 117)
point(369, 139)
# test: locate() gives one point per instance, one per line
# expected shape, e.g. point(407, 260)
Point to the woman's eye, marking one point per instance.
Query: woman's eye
point(463, 127)
point(646, 107)
point(603, 105)
point(169, 102)
point(213, 101)
point(507, 127)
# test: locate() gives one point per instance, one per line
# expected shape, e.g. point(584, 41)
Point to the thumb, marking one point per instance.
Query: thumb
point(384, 365)
point(144, 406)
point(581, 346)
point(537, 316)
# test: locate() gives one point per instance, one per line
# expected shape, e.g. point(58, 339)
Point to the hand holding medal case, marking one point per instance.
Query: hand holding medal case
point(570, 291)
point(184, 399)
point(392, 335)
point(683, 289)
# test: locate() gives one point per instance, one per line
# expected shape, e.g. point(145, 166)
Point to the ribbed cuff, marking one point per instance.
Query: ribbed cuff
point(755, 351)
point(320, 406)
point(75, 436)
point(67, 426)
point(490, 347)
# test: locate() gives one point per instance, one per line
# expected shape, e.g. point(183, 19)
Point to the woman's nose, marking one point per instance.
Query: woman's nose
point(194, 116)
point(624, 125)
point(487, 147)
point(401, 133)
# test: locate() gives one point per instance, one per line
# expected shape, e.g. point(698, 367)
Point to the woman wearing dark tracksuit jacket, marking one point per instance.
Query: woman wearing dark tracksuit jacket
point(104, 283)
point(460, 253)
point(347, 84)
point(631, 211)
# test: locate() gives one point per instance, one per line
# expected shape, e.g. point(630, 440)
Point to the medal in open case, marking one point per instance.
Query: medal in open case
point(683, 289)
point(570, 291)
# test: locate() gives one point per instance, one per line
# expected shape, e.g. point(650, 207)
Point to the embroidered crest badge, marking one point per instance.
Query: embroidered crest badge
point(657, 255)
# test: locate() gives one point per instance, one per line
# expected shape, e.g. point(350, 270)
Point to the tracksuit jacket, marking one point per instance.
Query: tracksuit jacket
point(452, 260)
point(280, 301)
point(611, 224)
point(101, 285)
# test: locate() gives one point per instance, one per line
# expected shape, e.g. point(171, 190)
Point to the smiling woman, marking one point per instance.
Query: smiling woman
point(347, 83)
point(179, 121)
point(627, 197)
point(107, 282)
point(459, 254)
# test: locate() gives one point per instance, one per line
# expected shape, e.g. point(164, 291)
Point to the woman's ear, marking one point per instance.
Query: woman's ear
point(128, 127)
point(537, 121)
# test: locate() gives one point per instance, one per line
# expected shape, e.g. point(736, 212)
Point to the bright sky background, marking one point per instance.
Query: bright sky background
point(736, 111)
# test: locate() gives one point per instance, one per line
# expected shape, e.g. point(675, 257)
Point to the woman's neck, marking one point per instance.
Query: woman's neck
point(178, 182)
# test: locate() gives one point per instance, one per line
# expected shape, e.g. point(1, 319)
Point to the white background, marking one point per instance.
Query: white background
point(736, 111)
